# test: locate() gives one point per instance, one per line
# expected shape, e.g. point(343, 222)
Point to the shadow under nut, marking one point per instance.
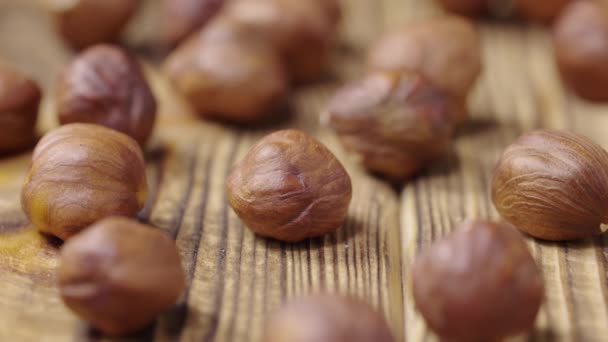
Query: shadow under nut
point(290, 187)
point(553, 185)
point(81, 173)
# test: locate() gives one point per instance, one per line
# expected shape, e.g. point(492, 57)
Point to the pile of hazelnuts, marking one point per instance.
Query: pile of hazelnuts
point(234, 61)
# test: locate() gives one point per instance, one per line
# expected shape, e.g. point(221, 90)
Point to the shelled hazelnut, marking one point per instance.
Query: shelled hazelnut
point(19, 101)
point(83, 23)
point(445, 50)
point(580, 41)
point(105, 86)
point(326, 318)
point(553, 185)
point(397, 123)
point(81, 173)
point(119, 274)
point(290, 187)
point(227, 75)
point(534, 10)
point(478, 284)
point(302, 31)
point(181, 18)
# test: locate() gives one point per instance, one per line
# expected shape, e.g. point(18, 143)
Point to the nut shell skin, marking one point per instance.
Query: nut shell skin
point(83, 23)
point(553, 185)
point(445, 50)
point(398, 124)
point(105, 86)
point(81, 173)
point(301, 30)
point(19, 101)
point(290, 187)
point(540, 10)
point(580, 42)
point(119, 274)
point(478, 284)
point(228, 75)
point(184, 17)
point(326, 318)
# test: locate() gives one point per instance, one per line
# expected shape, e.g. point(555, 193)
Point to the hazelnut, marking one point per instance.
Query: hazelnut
point(290, 187)
point(302, 30)
point(540, 10)
point(446, 51)
point(184, 17)
point(105, 86)
point(553, 185)
point(580, 41)
point(83, 23)
point(81, 173)
point(327, 318)
point(226, 75)
point(398, 124)
point(119, 274)
point(478, 284)
point(19, 100)
point(466, 7)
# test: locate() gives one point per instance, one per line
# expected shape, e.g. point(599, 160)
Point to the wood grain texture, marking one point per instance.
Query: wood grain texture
point(236, 278)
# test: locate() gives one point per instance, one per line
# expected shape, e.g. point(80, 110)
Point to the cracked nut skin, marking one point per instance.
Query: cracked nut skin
point(478, 284)
point(81, 173)
point(326, 318)
point(580, 42)
point(19, 101)
point(83, 23)
point(445, 50)
point(118, 275)
point(397, 124)
point(184, 17)
point(540, 10)
point(303, 31)
point(553, 185)
point(290, 187)
point(105, 86)
point(228, 76)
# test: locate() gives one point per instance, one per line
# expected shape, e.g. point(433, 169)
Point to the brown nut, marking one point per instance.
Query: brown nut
point(553, 185)
point(19, 100)
point(81, 173)
point(184, 17)
point(478, 284)
point(226, 75)
point(301, 30)
point(540, 10)
point(119, 274)
point(326, 318)
point(105, 86)
point(445, 50)
point(397, 124)
point(290, 187)
point(580, 42)
point(83, 23)
point(466, 7)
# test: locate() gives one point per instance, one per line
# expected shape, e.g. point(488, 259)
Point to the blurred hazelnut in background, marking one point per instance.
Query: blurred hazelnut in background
point(181, 18)
point(19, 101)
point(542, 11)
point(580, 43)
point(83, 23)
point(105, 86)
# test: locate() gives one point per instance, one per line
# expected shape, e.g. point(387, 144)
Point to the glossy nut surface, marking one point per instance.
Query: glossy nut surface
point(326, 318)
point(118, 275)
point(397, 124)
point(553, 185)
point(580, 43)
point(182, 18)
point(105, 86)
point(227, 75)
point(478, 284)
point(444, 50)
point(19, 101)
point(81, 173)
point(83, 23)
point(290, 187)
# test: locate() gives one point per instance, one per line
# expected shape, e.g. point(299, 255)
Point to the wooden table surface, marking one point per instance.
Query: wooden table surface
point(235, 278)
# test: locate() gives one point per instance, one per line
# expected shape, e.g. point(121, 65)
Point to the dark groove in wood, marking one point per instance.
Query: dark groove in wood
point(160, 161)
point(234, 311)
point(569, 295)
